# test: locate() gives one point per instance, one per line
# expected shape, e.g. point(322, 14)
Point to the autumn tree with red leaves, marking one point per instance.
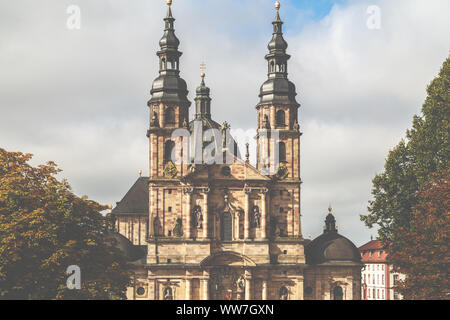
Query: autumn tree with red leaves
point(426, 260)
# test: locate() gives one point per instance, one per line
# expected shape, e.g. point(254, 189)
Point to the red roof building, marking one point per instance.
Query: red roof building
point(377, 276)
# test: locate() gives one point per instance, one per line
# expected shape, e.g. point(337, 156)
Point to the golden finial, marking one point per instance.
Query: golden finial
point(330, 209)
point(277, 5)
point(203, 68)
point(110, 207)
point(140, 173)
point(169, 2)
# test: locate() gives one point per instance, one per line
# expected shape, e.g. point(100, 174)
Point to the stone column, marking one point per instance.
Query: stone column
point(205, 213)
point(161, 116)
point(264, 290)
point(205, 285)
point(248, 285)
point(247, 215)
point(188, 289)
point(264, 214)
point(236, 225)
point(187, 227)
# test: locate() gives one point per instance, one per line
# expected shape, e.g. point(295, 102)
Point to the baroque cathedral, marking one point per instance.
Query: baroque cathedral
point(227, 230)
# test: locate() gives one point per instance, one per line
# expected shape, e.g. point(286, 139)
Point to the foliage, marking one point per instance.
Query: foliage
point(407, 170)
point(425, 260)
point(45, 228)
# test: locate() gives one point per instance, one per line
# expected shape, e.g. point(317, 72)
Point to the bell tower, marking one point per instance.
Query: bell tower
point(278, 129)
point(169, 105)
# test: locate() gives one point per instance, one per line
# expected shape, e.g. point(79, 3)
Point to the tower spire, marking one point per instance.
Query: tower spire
point(202, 99)
point(169, 87)
point(330, 221)
point(278, 89)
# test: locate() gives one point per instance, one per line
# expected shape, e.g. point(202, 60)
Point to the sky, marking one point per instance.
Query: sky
point(78, 96)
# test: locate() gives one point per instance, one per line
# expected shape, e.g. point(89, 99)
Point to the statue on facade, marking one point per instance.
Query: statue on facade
point(256, 216)
point(284, 293)
point(240, 284)
point(168, 293)
point(178, 230)
point(157, 226)
point(198, 217)
point(155, 121)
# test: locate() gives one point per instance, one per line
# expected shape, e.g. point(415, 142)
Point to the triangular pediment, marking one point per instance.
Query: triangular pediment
point(238, 170)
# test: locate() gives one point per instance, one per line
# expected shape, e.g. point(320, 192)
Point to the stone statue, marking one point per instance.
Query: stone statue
point(241, 283)
point(157, 226)
point(256, 217)
point(198, 217)
point(154, 122)
point(178, 230)
point(284, 293)
point(266, 122)
point(168, 294)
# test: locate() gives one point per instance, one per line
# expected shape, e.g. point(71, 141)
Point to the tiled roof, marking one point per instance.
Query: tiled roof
point(135, 201)
point(371, 245)
point(370, 252)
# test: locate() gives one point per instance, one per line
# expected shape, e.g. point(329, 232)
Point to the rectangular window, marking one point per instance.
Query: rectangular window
point(395, 279)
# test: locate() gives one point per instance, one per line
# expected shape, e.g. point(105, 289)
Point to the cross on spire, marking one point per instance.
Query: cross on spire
point(203, 69)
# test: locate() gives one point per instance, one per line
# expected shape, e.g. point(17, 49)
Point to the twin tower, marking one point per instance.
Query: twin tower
point(278, 129)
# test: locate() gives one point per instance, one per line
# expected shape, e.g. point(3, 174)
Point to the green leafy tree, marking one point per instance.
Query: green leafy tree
point(44, 229)
point(408, 166)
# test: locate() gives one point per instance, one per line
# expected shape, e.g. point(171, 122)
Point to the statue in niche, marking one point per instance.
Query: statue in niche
point(157, 226)
point(178, 230)
point(266, 122)
point(154, 122)
point(168, 293)
point(198, 217)
point(256, 216)
point(284, 293)
point(240, 284)
point(275, 230)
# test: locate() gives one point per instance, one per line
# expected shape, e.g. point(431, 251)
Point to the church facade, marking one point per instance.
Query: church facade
point(225, 229)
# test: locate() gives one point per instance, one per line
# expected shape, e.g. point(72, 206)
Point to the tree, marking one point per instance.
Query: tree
point(425, 259)
point(408, 166)
point(44, 229)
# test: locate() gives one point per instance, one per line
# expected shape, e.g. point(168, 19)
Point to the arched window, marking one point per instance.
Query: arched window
point(169, 116)
point(338, 293)
point(282, 152)
point(272, 66)
point(227, 227)
point(168, 147)
point(281, 118)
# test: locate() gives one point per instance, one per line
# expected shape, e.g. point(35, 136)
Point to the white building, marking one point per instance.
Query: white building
point(377, 276)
